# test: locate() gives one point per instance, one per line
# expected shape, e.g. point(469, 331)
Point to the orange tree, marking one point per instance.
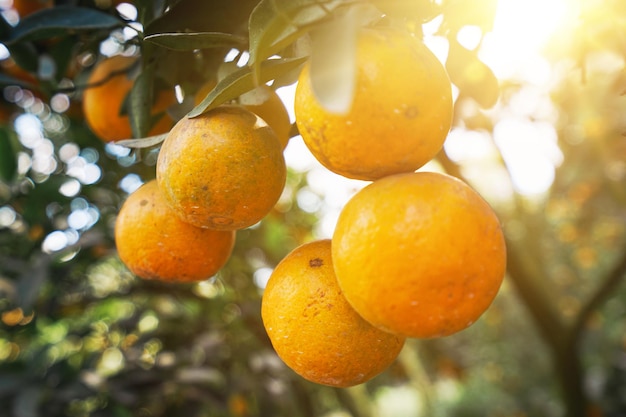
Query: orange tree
point(80, 335)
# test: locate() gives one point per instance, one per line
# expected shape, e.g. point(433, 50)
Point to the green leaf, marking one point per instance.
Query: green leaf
point(8, 156)
point(25, 56)
point(60, 20)
point(472, 76)
point(275, 24)
point(5, 29)
point(203, 16)
point(146, 142)
point(62, 53)
point(148, 10)
point(242, 81)
point(196, 40)
point(140, 102)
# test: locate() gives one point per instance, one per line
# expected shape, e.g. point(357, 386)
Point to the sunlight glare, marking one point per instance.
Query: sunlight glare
point(521, 29)
point(127, 11)
point(530, 152)
point(7, 216)
point(469, 36)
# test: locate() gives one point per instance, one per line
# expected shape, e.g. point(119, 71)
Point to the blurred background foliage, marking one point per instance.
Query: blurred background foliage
point(539, 132)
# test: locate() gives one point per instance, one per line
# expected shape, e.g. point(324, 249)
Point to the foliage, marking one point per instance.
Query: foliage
point(79, 335)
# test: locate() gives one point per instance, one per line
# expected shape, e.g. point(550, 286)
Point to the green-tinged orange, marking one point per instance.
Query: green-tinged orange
point(222, 170)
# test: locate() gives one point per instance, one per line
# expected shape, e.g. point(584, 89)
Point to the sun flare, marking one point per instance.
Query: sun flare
point(521, 29)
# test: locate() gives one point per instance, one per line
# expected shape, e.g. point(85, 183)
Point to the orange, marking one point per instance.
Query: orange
point(419, 254)
point(223, 170)
point(103, 103)
point(272, 110)
point(400, 115)
point(313, 328)
point(26, 7)
point(155, 244)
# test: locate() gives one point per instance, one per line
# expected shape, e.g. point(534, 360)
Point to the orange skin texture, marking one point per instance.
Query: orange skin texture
point(102, 104)
point(313, 328)
point(400, 115)
point(419, 254)
point(272, 110)
point(155, 244)
point(223, 170)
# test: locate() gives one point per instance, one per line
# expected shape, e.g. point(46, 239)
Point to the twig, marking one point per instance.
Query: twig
point(609, 285)
point(411, 362)
point(103, 81)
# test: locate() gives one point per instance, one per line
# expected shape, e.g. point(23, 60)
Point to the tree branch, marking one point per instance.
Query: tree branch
point(524, 275)
point(609, 285)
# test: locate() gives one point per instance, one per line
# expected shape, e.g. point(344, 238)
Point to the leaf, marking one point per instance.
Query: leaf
point(242, 81)
point(25, 56)
point(274, 24)
point(333, 58)
point(203, 16)
point(8, 157)
point(60, 20)
point(146, 142)
point(5, 29)
point(472, 76)
point(140, 102)
point(148, 10)
point(62, 53)
point(196, 40)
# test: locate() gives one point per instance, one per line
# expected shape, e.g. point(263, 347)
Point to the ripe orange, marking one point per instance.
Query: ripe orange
point(313, 328)
point(223, 170)
point(419, 254)
point(400, 115)
point(272, 110)
point(155, 244)
point(102, 104)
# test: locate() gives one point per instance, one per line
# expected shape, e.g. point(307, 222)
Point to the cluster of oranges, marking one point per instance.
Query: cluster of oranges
point(413, 254)
point(216, 173)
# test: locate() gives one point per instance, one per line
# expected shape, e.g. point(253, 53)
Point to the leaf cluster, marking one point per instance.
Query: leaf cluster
point(185, 44)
